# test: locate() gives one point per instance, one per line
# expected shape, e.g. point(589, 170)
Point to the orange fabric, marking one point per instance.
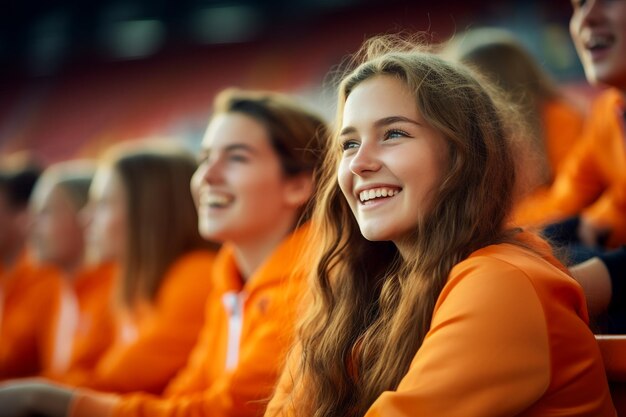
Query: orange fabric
point(230, 373)
point(613, 348)
point(30, 298)
point(94, 329)
point(508, 337)
point(592, 180)
point(562, 127)
point(164, 335)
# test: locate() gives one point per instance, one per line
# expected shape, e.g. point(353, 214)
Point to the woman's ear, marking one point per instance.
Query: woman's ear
point(298, 189)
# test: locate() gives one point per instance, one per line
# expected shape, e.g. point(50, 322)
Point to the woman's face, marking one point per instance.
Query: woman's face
point(239, 187)
point(105, 218)
point(57, 233)
point(392, 160)
point(598, 29)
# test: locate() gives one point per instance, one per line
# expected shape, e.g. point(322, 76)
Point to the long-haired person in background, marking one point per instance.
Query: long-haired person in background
point(257, 174)
point(425, 302)
point(143, 216)
point(554, 122)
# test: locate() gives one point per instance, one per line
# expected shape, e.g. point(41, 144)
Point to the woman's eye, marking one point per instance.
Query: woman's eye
point(237, 158)
point(395, 133)
point(349, 144)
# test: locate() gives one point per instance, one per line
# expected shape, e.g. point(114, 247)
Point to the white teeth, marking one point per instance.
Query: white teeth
point(598, 41)
point(217, 200)
point(377, 193)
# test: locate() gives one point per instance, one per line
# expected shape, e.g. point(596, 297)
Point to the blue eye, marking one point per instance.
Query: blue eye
point(349, 144)
point(395, 133)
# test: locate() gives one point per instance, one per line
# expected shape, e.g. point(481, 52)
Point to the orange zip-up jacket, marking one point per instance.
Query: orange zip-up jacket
point(592, 181)
point(89, 322)
point(248, 330)
point(29, 299)
point(146, 357)
point(508, 337)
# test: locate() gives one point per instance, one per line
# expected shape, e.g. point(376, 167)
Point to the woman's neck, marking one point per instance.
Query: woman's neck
point(252, 252)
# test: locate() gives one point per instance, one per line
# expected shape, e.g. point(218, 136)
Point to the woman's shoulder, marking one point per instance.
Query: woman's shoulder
point(529, 256)
point(193, 263)
point(505, 268)
point(189, 274)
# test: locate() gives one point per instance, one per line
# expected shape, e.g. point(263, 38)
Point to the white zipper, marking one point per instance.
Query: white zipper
point(233, 303)
point(66, 326)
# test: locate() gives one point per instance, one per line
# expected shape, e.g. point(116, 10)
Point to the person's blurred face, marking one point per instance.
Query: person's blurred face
point(105, 217)
point(13, 228)
point(6, 221)
point(239, 186)
point(57, 233)
point(392, 160)
point(598, 29)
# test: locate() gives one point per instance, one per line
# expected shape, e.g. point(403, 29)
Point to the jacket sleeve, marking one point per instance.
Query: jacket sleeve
point(577, 184)
point(163, 343)
point(29, 340)
point(469, 363)
point(192, 377)
point(609, 211)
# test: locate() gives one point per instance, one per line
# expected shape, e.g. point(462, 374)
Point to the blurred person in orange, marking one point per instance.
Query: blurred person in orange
point(256, 177)
point(29, 294)
point(591, 184)
point(84, 320)
point(142, 216)
point(554, 122)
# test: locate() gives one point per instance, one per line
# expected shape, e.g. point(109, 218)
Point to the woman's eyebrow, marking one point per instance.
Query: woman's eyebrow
point(239, 147)
point(395, 119)
point(382, 122)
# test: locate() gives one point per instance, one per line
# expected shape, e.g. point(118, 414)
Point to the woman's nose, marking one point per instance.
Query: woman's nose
point(365, 160)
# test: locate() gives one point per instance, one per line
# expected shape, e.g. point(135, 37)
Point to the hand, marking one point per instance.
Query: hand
point(592, 234)
point(15, 399)
point(34, 397)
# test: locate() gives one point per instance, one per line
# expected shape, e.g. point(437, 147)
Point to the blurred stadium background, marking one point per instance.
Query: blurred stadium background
point(77, 76)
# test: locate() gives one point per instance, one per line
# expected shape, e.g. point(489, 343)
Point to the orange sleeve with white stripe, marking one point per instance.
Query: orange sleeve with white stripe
point(28, 328)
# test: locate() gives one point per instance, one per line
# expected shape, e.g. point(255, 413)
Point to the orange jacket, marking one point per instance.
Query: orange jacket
point(233, 368)
point(148, 356)
point(592, 181)
point(508, 337)
point(29, 300)
point(90, 324)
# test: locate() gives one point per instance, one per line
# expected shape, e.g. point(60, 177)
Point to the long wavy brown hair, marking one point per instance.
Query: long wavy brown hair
point(371, 308)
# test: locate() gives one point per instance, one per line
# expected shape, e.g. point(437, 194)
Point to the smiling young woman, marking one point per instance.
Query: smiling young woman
point(426, 303)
